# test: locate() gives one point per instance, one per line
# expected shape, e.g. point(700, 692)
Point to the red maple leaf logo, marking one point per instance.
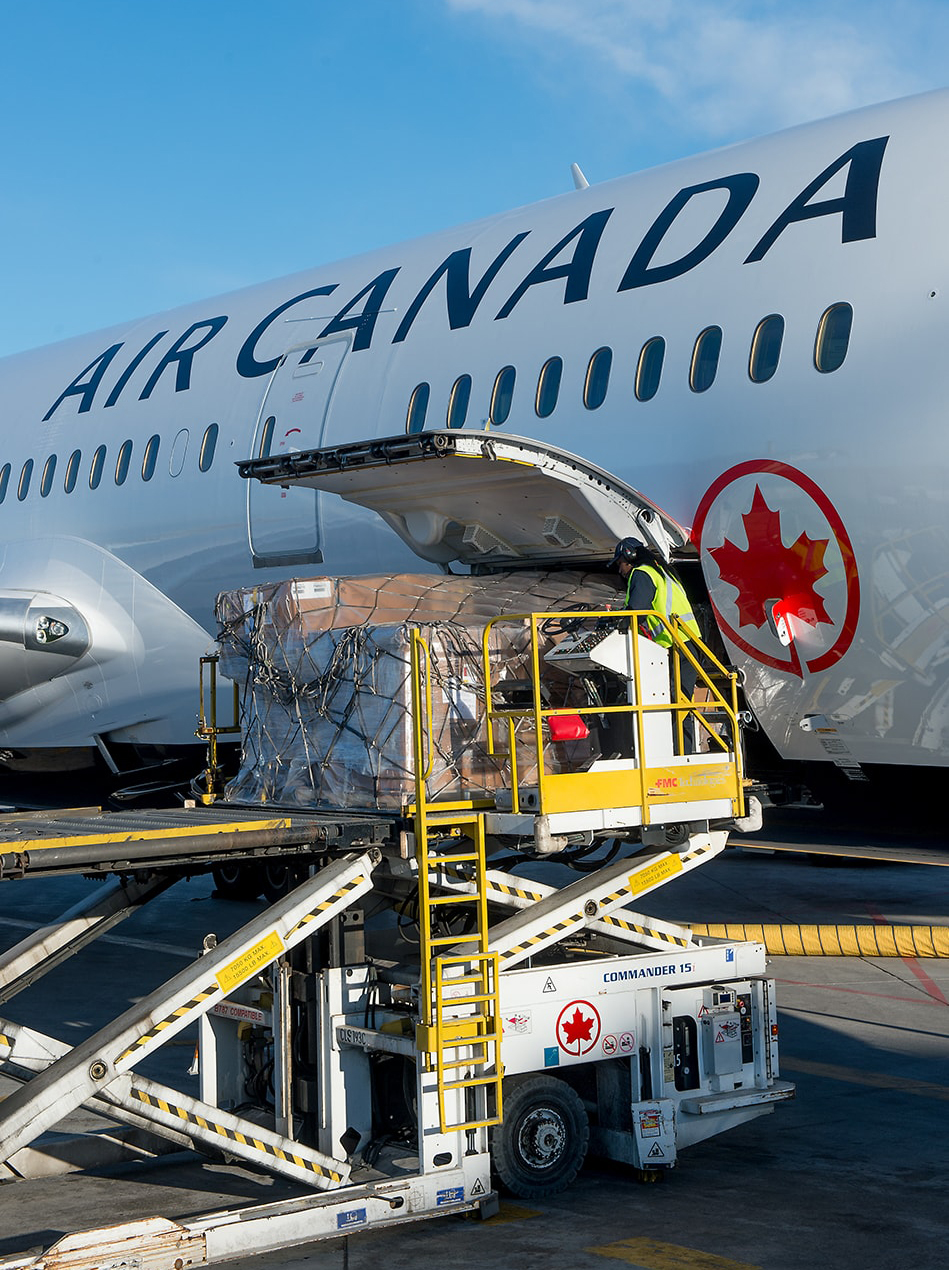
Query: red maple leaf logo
point(577, 1029)
point(768, 570)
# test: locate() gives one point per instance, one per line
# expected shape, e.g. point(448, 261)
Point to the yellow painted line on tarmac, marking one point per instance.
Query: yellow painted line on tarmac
point(511, 1212)
point(876, 1080)
point(650, 1254)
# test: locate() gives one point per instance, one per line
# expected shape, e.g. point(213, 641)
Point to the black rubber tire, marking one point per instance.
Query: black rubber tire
point(238, 881)
point(540, 1146)
point(277, 880)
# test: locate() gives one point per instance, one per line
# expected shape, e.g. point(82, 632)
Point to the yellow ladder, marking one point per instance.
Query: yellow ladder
point(459, 1030)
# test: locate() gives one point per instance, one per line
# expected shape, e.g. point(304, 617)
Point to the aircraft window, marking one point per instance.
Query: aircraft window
point(649, 368)
point(548, 387)
point(4, 480)
point(598, 378)
point(502, 395)
point(24, 487)
point(206, 457)
point(833, 337)
point(458, 402)
point(122, 462)
point(72, 471)
point(705, 356)
point(766, 348)
point(95, 471)
point(179, 449)
point(266, 437)
point(150, 457)
point(418, 406)
point(49, 471)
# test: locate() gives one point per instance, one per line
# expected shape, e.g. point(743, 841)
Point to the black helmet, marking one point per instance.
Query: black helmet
point(629, 549)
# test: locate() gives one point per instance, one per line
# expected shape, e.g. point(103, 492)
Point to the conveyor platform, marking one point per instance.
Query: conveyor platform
point(94, 841)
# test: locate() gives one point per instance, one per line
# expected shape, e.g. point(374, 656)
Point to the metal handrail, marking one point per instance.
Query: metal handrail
point(710, 671)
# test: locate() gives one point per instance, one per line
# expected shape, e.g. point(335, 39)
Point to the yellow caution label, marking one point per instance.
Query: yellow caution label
point(249, 962)
point(653, 874)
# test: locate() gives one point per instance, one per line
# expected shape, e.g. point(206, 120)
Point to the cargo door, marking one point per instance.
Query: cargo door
point(482, 500)
point(283, 521)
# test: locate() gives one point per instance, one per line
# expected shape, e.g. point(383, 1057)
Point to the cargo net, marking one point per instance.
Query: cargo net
point(325, 664)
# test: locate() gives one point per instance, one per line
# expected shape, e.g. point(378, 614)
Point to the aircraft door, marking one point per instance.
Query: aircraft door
point(283, 523)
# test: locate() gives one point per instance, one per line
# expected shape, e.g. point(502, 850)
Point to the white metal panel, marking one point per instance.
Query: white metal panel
point(478, 497)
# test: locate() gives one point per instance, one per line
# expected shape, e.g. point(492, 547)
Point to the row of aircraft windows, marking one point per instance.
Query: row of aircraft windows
point(830, 348)
point(123, 464)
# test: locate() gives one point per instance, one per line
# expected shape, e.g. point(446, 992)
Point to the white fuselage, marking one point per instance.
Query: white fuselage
point(845, 212)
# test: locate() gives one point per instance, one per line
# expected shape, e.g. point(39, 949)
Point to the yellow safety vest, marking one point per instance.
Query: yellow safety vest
point(671, 600)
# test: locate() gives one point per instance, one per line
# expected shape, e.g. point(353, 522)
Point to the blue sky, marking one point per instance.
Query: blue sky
point(159, 153)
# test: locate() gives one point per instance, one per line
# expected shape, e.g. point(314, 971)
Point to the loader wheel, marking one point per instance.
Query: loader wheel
point(541, 1144)
point(278, 880)
point(238, 881)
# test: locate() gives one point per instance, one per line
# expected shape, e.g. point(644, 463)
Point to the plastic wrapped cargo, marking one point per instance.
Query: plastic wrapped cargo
point(325, 664)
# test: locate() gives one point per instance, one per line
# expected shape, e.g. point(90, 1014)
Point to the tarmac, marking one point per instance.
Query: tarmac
point(850, 1173)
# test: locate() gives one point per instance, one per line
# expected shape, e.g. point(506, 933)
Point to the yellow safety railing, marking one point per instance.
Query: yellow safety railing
point(208, 729)
point(639, 784)
point(459, 1030)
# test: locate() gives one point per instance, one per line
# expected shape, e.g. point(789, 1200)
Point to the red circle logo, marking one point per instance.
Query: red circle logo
point(578, 1028)
point(780, 566)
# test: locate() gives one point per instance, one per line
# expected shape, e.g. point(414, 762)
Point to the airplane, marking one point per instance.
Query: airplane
point(751, 338)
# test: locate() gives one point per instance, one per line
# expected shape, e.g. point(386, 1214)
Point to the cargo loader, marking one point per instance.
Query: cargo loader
point(433, 1012)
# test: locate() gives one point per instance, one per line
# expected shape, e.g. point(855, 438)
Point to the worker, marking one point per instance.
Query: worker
point(652, 587)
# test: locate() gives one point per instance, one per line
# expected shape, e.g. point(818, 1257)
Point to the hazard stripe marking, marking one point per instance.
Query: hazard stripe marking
point(518, 892)
point(325, 904)
point(542, 935)
point(662, 935)
point(248, 963)
point(234, 1135)
point(158, 1028)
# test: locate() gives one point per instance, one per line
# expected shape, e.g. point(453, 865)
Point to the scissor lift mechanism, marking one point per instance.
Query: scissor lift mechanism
point(486, 999)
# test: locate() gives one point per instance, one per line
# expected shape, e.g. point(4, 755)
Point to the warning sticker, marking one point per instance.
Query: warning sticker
point(519, 1023)
point(549, 985)
point(242, 1013)
point(352, 1217)
point(650, 1123)
point(727, 1032)
point(451, 1195)
point(654, 874)
point(249, 962)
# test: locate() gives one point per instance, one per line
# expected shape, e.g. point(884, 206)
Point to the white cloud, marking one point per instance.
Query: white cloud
point(727, 67)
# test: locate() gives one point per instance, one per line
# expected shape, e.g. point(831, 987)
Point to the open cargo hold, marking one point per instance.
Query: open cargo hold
point(325, 665)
